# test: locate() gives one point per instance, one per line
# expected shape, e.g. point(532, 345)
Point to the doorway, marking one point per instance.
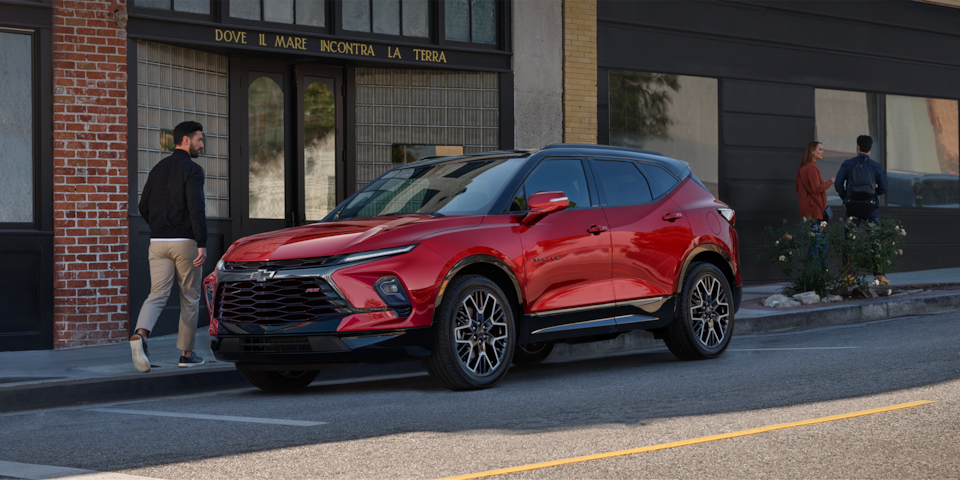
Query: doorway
point(288, 132)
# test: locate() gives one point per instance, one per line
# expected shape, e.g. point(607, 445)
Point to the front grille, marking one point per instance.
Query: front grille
point(277, 264)
point(275, 344)
point(281, 301)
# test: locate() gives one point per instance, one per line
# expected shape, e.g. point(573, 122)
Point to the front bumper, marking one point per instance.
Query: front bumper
point(321, 351)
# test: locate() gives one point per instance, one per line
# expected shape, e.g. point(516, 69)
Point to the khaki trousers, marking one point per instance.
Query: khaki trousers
point(168, 260)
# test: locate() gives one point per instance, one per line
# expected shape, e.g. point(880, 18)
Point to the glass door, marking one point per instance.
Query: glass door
point(290, 143)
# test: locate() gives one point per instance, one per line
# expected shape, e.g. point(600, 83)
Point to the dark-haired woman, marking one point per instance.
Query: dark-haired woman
point(812, 191)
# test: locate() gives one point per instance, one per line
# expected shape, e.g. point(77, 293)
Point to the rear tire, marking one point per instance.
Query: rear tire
point(280, 381)
point(703, 328)
point(532, 353)
point(475, 335)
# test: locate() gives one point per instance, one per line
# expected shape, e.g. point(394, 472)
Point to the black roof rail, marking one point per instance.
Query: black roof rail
point(605, 147)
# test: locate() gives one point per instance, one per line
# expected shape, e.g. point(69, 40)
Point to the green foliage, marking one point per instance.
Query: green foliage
point(822, 257)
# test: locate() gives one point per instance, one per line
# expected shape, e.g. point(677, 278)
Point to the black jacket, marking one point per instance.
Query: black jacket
point(172, 201)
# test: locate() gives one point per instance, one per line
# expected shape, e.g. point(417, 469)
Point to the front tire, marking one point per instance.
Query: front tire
point(532, 353)
point(703, 328)
point(475, 335)
point(280, 381)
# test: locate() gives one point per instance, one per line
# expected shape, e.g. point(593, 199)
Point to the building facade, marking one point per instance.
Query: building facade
point(305, 101)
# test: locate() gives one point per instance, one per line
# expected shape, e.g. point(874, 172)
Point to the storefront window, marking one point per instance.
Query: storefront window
point(922, 152)
point(186, 6)
point(674, 115)
point(919, 148)
point(16, 129)
point(471, 21)
point(302, 12)
point(841, 117)
point(389, 17)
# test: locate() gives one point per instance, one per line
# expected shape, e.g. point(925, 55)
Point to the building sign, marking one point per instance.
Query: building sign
point(322, 46)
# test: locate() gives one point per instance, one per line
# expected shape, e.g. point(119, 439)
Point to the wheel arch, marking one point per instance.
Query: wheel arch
point(710, 253)
point(494, 269)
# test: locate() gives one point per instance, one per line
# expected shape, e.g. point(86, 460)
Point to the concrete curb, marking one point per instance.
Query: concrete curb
point(72, 393)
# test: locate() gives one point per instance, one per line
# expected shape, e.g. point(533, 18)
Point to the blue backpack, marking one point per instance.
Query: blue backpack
point(861, 184)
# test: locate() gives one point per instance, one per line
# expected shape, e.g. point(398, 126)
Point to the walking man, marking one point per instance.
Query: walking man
point(173, 206)
point(860, 182)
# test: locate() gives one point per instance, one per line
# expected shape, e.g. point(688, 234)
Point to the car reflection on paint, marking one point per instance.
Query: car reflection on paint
point(476, 262)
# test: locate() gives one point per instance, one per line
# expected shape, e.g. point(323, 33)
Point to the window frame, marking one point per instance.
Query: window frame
point(592, 191)
point(430, 39)
point(501, 18)
point(37, 104)
point(226, 19)
point(215, 10)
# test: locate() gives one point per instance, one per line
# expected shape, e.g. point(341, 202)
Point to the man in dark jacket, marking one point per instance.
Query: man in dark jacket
point(173, 206)
point(860, 182)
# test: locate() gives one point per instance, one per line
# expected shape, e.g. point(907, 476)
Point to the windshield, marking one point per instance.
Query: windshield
point(461, 188)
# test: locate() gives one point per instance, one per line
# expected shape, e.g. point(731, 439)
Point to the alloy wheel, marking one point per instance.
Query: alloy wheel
point(709, 311)
point(481, 333)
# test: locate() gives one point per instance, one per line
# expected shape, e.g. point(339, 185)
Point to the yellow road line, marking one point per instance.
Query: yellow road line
point(663, 446)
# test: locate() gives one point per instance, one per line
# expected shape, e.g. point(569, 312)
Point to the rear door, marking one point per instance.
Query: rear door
point(648, 230)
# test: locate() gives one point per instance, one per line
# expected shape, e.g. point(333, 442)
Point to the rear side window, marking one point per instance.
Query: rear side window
point(563, 175)
point(661, 177)
point(622, 183)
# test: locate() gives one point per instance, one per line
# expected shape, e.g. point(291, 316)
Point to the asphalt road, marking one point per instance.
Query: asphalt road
point(413, 428)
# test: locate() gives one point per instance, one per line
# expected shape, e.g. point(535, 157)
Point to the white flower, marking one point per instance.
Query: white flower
point(823, 224)
point(876, 282)
point(790, 252)
point(853, 237)
point(783, 259)
point(903, 232)
point(777, 242)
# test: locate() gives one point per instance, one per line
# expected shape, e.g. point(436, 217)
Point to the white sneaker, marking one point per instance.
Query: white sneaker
point(138, 345)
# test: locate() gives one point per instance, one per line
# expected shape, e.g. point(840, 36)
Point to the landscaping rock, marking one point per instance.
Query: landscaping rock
point(831, 299)
point(859, 292)
point(807, 298)
point(779, 301)
point(883, 292)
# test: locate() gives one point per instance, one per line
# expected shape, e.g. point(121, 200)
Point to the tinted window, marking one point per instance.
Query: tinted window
point(622, 183)
point(665, 179)
point(563, 176)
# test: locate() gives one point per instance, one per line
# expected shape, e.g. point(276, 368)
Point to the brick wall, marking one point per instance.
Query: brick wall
point(90, 172)
point(580, 71)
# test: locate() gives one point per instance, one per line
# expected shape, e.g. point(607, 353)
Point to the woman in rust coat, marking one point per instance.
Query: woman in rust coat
point(812, 190)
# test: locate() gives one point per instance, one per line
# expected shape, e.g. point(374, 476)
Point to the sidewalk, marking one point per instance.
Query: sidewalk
point(56, 378)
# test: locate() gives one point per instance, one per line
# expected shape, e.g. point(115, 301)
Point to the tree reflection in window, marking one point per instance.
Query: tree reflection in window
point(266, 180)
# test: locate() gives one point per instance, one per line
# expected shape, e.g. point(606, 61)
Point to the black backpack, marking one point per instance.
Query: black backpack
point(861, 186)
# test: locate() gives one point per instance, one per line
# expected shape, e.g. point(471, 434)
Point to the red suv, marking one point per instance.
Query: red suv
point(475, 262)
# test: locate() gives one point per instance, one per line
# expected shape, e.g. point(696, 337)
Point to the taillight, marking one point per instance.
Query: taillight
point(728, 214)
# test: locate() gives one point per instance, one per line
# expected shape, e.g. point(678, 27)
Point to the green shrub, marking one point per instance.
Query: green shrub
point(841, 255)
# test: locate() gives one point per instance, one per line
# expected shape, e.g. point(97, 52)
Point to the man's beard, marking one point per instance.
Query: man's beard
point(194, 153)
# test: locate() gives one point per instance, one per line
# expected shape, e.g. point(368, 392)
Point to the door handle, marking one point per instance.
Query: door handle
point(597, 230)
point(671, 216)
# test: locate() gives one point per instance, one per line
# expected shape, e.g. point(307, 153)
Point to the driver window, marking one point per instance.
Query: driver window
point(564, 175)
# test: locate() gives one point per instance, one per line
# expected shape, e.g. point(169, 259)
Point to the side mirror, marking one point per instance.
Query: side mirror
point(542, 204)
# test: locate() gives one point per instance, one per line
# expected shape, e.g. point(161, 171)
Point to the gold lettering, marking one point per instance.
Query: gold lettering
point(262, 40)
point(278, 42)
point(296, 43)
point(341, 48)
point(303, 44)
point(219, 35)
point(416, 53)
point(371, 51)
point(442, 58)
point(243, 38)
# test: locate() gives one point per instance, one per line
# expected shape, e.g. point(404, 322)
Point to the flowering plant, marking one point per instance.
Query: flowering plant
point(822, 257)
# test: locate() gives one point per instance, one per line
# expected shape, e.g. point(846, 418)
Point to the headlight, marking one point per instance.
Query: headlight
point(220, 265)
point(386, 252)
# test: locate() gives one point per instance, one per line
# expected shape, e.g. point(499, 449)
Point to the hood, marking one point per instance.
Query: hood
point(338, 238)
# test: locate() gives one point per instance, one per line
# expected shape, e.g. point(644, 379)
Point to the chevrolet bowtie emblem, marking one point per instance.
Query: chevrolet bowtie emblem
point(262, 275)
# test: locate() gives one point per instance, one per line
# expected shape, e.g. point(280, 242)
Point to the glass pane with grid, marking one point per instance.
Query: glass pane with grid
point(176, 84)
point(425, 107)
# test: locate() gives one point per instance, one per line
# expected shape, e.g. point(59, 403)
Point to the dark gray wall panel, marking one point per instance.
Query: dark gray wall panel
point(767, 98)
point(761, 165)
point(762, 197)
point(766, 131)
point(20, 293)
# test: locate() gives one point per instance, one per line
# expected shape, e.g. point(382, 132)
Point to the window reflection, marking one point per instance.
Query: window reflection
point(319, 150)
point(841, 117)
point(922, 152)
point(266, 174)
point(16, 129)
point(675, 115)
point(470, 21)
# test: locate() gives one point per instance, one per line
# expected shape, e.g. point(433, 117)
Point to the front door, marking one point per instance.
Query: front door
point(287, 132)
